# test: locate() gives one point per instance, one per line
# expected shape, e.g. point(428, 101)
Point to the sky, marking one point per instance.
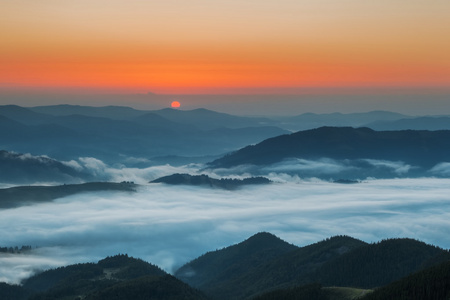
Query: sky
point(222, 47)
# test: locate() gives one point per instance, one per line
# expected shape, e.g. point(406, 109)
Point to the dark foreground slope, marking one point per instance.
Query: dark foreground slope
point(216, 273)
point(378, 264)
point(258, 264)
point(118, 277)
point(419, 148)
point(430, 284)
point(337, 261)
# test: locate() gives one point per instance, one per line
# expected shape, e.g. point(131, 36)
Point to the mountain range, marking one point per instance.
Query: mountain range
point(111, 133)
point(261, 267)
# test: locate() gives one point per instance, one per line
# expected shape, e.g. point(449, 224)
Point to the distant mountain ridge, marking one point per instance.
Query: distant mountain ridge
point(417, 123)
point(110, 133)
point(114, 134)
point(311, 120)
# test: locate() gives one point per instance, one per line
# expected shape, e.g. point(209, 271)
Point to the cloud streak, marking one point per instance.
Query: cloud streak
point(170, 225)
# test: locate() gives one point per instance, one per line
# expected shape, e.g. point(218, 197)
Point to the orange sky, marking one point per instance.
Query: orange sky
point(202, 46)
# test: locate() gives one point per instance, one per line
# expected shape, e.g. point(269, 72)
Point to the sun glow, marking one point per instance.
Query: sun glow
point(175, 104)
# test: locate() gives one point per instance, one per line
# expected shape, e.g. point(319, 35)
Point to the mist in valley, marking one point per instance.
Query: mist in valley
point(170, 225)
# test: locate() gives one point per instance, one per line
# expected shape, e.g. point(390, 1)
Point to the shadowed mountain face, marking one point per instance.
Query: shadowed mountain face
point(422, 149)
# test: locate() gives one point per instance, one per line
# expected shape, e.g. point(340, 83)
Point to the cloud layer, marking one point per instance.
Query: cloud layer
point(170, 225)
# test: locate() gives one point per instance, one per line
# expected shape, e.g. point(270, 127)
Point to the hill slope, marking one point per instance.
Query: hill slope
point(26, 168)
point(117, 277)
point(337, 261)
point(214, 270)
point(429, 284)
point(419, 148)
point(379, 264)
point(27, 195)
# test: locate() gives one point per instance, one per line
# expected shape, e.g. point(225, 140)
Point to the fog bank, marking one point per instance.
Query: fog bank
point(170, 225)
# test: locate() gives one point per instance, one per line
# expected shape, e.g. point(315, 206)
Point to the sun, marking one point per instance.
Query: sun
point(175, 104)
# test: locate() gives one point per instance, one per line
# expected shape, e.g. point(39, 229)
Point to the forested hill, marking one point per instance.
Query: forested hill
point(28, 195)
point(237, 273)
point(416, 147)
point(262, 267)
point(205, 180)
point(259, 264)
point(432, 283)
point(117, 277)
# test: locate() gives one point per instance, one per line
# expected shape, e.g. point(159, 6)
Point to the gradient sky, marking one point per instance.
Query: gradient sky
point(230, 46)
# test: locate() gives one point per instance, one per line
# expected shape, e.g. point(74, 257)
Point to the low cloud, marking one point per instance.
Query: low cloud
point(170, 225)
point(119, 173)
point(442, 169)
point(320, 166)
point(328, 169)
point(398, 167)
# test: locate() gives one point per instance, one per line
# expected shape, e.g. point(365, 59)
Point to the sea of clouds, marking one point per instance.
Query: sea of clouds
point(171, 225)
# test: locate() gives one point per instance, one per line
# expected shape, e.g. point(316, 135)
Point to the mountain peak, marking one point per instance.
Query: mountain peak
point(262, 240)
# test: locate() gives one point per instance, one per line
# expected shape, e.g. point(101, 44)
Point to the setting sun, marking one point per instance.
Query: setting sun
point(175, 104)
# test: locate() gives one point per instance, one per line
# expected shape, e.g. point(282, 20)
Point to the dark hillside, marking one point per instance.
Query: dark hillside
point(117, 277)
point(28, 195)
point(295, 267)
point(149, 287)
point(378, 264)
point(419, 148)
point(221, 267)
point(430, 284)
point(257, 265)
